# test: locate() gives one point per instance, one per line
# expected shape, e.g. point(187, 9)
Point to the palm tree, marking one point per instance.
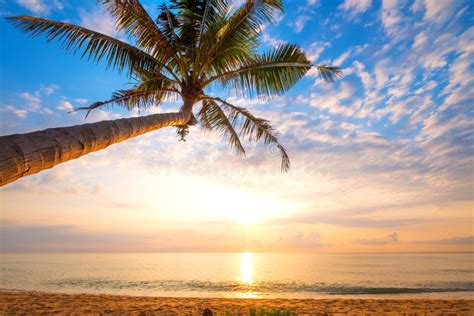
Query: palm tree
point(191, 47)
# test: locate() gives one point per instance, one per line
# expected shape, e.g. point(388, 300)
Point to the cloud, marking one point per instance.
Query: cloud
point(390, 239)
point(81, 100)
point(316, 49)
point(61, 238)
point(41, 7)
point(33, 101)
point(341, 100)
point(448, 241)
point(99, 21)
point(54, 181)
point(20, 238)
point(417, 6)
point(439, 11)
point(272, 41)
point(426, 87)
point(340, 60)
point(65, 106)
point(301, 240)
point(21, 113)
point(300, 22)
point(356, 6)
point(390, 16)
point(365, 77)
point(356, 217)
point(349, 126)
point(50, 89)
point(420, 40)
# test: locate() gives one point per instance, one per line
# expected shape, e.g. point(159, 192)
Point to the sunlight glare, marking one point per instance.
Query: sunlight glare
point(246, 265)
point(247, 208)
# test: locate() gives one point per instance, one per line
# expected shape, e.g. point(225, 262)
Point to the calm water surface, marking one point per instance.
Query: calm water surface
point(243, 274)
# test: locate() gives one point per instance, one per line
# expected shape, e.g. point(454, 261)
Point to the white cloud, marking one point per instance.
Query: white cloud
point(35, 6)
point(21, 113)
point(356, 6)
point(34, 101)
point(247, 103)
point(316, 49)
point(422, 107)
point(65, 106)
point(427, 87)
point(382, 73)
point(99, 21)
point(349, 126)
point(420, 40)
point(340, 60)
point(40, 7)
point(312, 2)
point(341, 100)
point(48, 90)
point(364, 76)
point(440, 10)
point(48, 111)
point(390, 16)
point(272, 41)
point(101, 115)
point(300, 22)
point(391, 238)
point(435, 125)
point(81, 100)
point(301, 240)
point(417, 6)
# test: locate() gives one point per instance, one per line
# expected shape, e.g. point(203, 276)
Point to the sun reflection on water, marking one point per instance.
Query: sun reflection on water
point(246, 275)
point(246, 268)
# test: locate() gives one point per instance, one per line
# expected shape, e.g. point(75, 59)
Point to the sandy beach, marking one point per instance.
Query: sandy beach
point(19, 302)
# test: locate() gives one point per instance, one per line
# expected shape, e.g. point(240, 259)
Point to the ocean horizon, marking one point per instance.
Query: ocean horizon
point(243, 275)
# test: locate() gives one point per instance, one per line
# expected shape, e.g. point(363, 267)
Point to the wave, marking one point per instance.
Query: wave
point(260, 287)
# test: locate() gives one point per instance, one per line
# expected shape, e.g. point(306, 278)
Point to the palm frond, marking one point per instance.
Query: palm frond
point(239, 29)
point(133, 19)
point(252, 127)
point(169, 24)
point(329, 73)
point(133, 98)
point(197, 22)
point(214, 11)
point(271, 73)
point(249, 19)
point(118, 55)
point(212, 117)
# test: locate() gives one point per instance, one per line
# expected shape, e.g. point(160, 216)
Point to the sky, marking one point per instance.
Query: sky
point(382, 159)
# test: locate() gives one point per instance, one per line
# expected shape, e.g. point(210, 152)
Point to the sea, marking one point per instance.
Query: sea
point(247, 275)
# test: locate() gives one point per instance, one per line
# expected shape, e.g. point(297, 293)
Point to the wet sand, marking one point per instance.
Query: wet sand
point(28, 303)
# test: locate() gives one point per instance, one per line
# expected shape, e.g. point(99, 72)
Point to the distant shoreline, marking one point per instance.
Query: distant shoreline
point(27, 302)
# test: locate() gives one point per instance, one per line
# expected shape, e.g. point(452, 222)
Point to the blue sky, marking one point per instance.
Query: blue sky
point(385, 151)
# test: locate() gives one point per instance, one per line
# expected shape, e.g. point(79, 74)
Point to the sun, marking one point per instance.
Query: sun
point(241, 206)
point(249, 209)
point(245, 217)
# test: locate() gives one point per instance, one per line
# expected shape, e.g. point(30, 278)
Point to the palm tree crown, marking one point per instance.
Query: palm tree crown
point(192, 46)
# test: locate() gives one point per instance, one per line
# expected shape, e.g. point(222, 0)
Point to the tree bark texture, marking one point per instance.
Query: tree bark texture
point(26, 154)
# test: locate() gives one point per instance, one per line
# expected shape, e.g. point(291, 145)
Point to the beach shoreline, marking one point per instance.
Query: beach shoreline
point(36, 302)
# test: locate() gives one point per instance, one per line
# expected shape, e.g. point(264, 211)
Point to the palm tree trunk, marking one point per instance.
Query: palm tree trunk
point(25, 154)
